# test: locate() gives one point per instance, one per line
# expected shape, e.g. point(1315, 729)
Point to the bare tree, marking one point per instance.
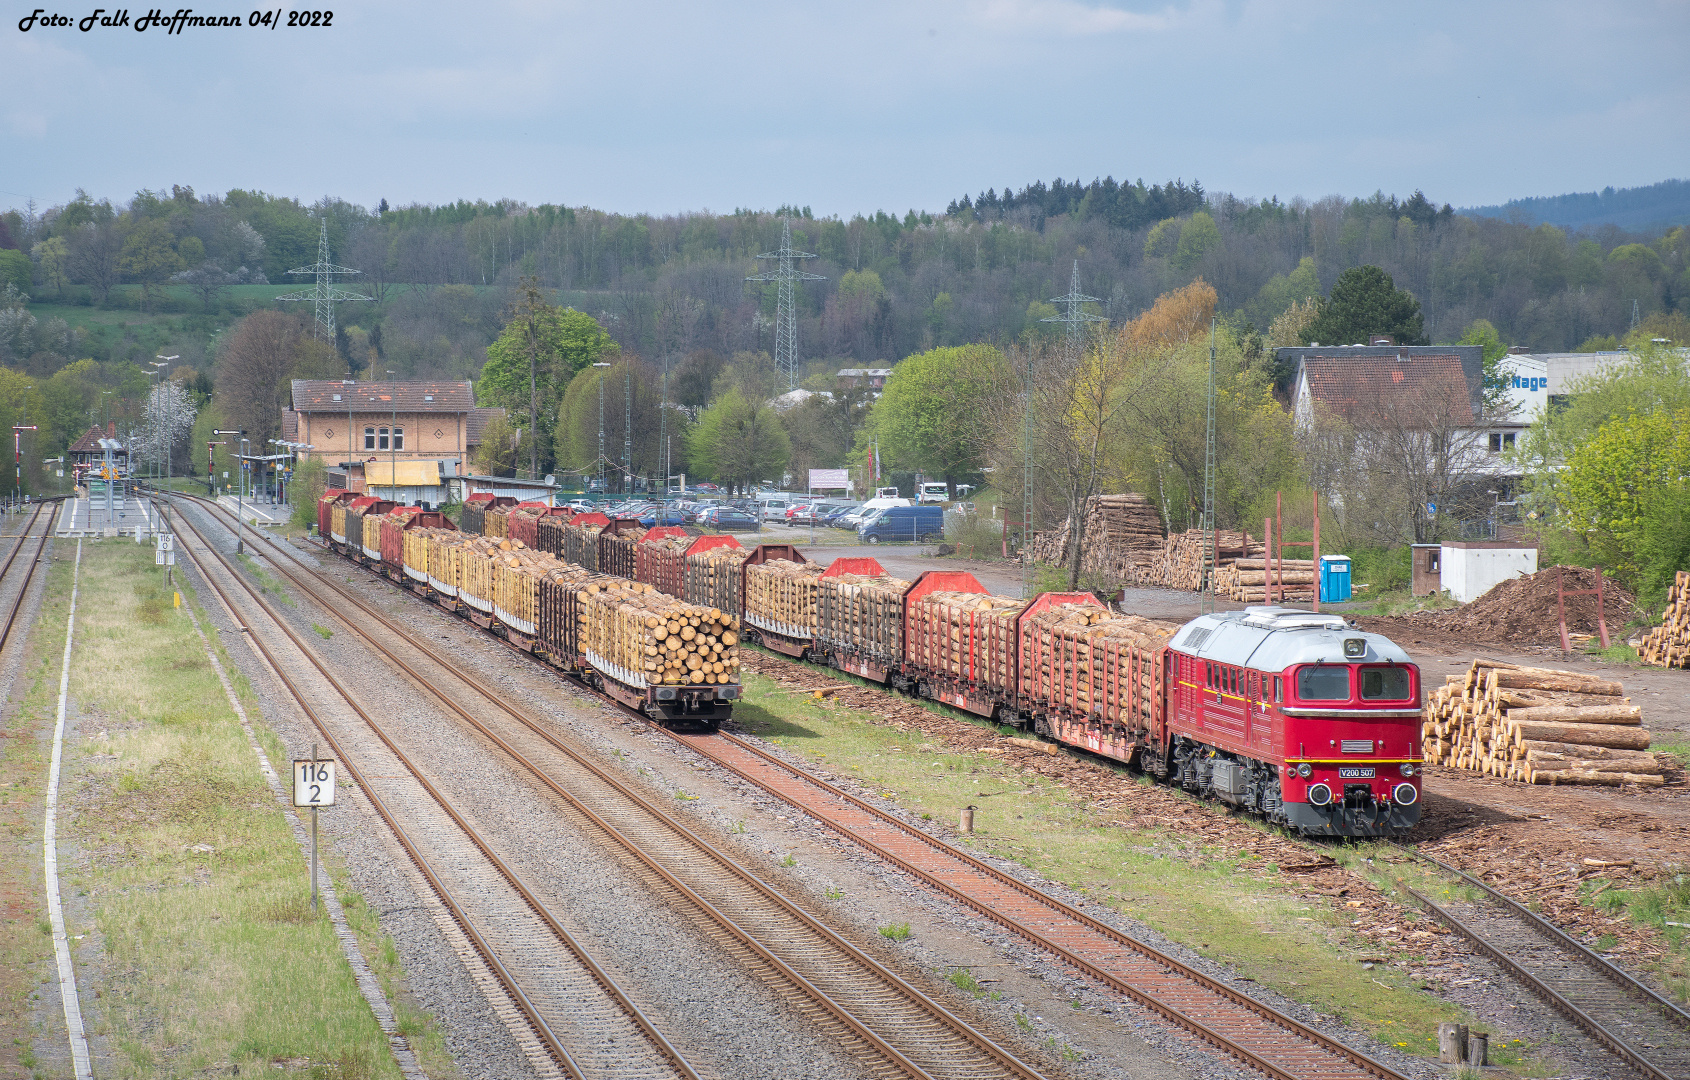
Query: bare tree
point(94, 251)
point(253, 372)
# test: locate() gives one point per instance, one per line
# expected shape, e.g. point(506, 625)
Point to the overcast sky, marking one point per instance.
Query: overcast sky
point(850, 107)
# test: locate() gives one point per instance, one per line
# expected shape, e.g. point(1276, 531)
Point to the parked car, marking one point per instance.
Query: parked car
point(863, 512)
point(835, 518)
point(729, 519)
point(707, 486)
point(669, 515)
point(922, 523)
point(794, 512)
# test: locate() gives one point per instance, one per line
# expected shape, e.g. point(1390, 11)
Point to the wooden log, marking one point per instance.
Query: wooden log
point(1589, 714)
point(1576, 750)
point(1593, 776)
point(1644, 764)
point(1579, 684)
point(1612, 735)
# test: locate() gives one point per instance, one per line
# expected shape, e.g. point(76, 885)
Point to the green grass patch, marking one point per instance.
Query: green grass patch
point(1222, 903)
point(1662, 905)
point(199, 890)
point(898, 931)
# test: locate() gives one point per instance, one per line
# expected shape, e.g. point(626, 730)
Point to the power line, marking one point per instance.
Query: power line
point(785, 275)
point(325, 295)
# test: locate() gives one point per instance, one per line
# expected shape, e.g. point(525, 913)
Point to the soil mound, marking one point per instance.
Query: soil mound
point(1521, 611)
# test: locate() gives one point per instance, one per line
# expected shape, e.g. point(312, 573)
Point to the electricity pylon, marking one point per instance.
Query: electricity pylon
point(325, 294)
point(1074, 320)
point(785, 275)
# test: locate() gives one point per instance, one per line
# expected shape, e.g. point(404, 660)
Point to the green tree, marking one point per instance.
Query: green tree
point(1365, 301)
point(1197, 237)
point(932, 411)
point(738, 441)
point(1496, 372)
point(53, 256)
point(149, 257)
point(1613, 481)
point(16, 269)
point(541, 348)
point(1282, 291)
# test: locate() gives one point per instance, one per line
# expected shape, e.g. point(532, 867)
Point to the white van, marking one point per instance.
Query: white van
point(935, 493)
point(869, 509)
point(775, 503)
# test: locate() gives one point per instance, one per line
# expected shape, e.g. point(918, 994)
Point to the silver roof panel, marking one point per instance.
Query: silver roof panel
point(1276, 638)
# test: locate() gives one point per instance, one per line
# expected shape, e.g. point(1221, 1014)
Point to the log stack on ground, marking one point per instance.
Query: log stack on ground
point(1668, 645)
point(1246, 580)
point(1120, 537)
point(1538, 726)
point(1179, 564)
point(783, 594)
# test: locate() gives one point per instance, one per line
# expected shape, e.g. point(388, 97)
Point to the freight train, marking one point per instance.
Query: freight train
point(1289, 714)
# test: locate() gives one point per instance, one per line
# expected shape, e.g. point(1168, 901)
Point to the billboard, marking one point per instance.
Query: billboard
point(828, 479)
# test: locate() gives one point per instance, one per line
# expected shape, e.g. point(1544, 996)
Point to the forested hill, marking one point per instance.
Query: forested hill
point(1654, 207)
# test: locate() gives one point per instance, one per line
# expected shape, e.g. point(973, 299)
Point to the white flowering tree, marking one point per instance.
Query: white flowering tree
point(167, 421)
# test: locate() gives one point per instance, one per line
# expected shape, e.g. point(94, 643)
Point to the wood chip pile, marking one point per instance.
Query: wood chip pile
point(784, 592)
point(1668, 645)
point(1538, 726)
point(666, 639)
point(862, 613)
point(713, 576)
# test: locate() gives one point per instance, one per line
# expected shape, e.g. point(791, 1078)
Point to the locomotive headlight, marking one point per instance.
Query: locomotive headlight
point(1355, 648)
point(1405, 795)
point(1320, 795)
point(1406, 768)
point(1305, 770)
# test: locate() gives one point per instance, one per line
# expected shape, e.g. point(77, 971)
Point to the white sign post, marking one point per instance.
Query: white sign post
point(313, 786)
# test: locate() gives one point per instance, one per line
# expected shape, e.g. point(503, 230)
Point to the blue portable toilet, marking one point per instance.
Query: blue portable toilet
point(1334, 579)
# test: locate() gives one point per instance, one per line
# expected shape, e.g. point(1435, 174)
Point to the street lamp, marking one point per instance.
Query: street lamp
point(602, 484)
point(240, 490)
point(169, 437)
point(393, 437)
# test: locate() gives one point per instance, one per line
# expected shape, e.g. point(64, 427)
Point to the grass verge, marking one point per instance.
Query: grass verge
point(1222, 903)
point(212, 955)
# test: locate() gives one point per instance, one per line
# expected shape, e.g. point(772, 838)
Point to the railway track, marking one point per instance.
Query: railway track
point(1644, 1029)
point(867, 1009)
point(581, 1016)
point(1228, 1019)
point(22, 593)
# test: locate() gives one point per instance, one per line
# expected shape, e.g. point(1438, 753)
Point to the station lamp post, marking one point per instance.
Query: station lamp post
point(604, 487)
point(241, 489)
point(163, 364)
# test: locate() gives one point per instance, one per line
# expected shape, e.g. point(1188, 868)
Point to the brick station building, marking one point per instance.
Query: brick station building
point(419, 432)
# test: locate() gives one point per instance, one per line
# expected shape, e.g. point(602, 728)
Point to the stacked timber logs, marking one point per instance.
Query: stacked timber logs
point(863, 614)
point(1538, 726)
point(1179, 565)
point(581, 544)
point(783, 594)
point(658, 638)
point(1096, 664)
point(967, 636)
point(496, 522)
point(1668, 645)
point(713, 577)
point(1119, 538)
point(1246, 580)
point(548, 535)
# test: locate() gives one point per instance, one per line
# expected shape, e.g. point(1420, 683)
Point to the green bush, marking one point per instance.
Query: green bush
point(1381, 569)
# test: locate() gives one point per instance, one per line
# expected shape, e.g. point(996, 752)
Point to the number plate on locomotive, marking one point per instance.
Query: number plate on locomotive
point(1356, 773)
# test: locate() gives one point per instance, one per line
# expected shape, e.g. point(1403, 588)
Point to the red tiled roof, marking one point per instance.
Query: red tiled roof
point(1358, 385)
point(478, 421)
point(332, 395)
point(89, 443)
point(290, 425)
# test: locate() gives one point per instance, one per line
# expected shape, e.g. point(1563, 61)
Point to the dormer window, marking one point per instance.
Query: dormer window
point(337, 397)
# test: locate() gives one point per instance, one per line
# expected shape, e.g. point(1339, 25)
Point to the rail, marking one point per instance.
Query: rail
point(522, 999)
point(1578, 999)
point(35, 561)
point(932, 1011)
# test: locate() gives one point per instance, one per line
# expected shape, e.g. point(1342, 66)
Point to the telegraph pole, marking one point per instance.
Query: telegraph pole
point(1207, 604)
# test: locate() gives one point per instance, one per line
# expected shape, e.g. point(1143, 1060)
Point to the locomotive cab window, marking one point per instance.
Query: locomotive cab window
point(1324, 682)
point(1384, 684)
point(1278, 689)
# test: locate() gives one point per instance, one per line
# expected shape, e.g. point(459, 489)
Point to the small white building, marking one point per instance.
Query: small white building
point(1469, 569)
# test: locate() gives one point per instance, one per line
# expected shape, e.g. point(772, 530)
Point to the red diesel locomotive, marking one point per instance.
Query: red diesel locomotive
point(1297, 716)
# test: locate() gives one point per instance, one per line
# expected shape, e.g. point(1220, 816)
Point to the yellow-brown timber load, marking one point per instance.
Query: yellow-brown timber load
point(1668, 645)
point(969, 636)
point(863, 614)
point(644, 637)
point(780, 595)
point(1538, 726)
point(517, 572)
point(1092, 663)
point(713, 577)
point(563, 591)
point(581, 540)
point(496, 523)
point(445, 560)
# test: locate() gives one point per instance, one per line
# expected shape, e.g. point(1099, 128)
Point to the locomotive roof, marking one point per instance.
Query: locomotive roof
point(1275, 638)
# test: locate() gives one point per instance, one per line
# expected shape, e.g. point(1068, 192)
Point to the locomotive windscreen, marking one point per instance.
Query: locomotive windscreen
point(1324, 683)
point(1385, 684)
